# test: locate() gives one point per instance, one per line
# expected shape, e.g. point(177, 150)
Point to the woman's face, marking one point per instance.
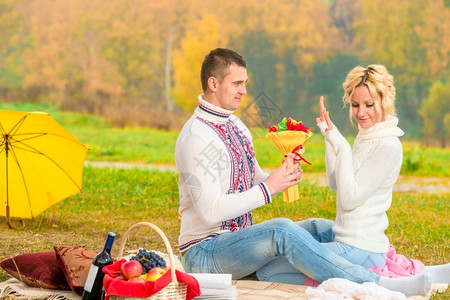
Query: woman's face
point(364, 108)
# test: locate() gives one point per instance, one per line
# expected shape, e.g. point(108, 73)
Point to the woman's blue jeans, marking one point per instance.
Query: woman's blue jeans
point(280, 270)
point(244, 252)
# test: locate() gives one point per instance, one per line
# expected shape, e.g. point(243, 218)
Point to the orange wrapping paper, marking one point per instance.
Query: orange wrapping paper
point(286, 141)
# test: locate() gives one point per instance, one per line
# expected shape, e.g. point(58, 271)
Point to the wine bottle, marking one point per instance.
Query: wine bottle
point(93, 288)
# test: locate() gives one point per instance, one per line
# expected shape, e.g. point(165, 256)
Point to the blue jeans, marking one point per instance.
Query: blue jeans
point(280, 270)
point(244, 252)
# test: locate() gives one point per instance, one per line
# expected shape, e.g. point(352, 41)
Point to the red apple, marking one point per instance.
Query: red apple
point(137, 280)
point(155, 273)
point(130, 269)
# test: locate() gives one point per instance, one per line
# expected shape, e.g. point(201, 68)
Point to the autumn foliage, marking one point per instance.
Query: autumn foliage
point(137, 62)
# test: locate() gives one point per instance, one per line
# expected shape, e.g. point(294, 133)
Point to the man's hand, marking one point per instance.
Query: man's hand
point(284, 176)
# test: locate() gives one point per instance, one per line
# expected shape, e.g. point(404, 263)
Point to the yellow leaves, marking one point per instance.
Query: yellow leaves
point(396, 33)
point(150, 52)
point(290, 26)
point(201, 37)
point(387, 30)
point(434, 33)
point(301, 25)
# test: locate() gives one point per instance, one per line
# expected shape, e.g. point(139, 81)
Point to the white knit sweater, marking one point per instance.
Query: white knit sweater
point(363, 177)
point(220, 181)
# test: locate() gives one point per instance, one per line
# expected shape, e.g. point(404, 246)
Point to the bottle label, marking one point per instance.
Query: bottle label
point(91, 278)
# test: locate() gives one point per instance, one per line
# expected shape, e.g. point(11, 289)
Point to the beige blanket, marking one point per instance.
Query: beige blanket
point(247, 290)
point(252, 290)
point(15, 289)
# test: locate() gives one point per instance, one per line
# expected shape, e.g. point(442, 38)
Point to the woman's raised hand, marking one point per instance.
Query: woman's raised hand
point(324, 115)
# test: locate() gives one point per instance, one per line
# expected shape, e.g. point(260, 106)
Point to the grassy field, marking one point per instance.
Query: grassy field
point(145, 145)
point(115, 199)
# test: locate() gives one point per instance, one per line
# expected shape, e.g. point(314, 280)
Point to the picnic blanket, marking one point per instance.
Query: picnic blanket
point(16, 289)
point(247, 290)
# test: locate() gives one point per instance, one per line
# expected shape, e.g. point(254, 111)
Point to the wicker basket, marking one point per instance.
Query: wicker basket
point(174, 290)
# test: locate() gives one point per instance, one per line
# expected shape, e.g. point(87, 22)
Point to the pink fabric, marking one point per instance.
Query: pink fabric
point(311, 282)
point(398, 265)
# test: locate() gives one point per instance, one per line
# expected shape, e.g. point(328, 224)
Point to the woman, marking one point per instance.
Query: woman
point(363, 177)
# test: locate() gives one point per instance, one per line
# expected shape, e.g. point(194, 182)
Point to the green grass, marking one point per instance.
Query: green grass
point(142, 145)
point(419, 160)
point(115, 199)
point(146, 145)
point(129, 144)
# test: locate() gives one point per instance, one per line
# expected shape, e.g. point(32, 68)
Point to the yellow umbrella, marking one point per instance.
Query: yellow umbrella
point(41, 164)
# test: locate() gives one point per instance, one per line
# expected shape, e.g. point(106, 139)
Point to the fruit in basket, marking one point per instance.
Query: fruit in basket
point(155, 273)
point(149, 260)
point(168, 269)
point(137, 280)
point(131, 269)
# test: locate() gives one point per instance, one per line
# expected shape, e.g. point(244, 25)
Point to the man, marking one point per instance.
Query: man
point(220, 183)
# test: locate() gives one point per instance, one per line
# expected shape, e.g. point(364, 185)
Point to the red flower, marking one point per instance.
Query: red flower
point(301, 127)
point(289, 124)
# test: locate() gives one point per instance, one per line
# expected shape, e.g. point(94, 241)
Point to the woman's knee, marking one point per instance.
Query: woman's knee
point(283, 228)
point(318, 223)
point(286, 230)
point(320, 229)
point(280, 223)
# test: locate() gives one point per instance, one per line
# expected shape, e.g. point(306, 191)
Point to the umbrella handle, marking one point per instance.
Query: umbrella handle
point(8, 220)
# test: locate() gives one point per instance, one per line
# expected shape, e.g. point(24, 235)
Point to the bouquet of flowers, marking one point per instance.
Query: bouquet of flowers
point(289, 136)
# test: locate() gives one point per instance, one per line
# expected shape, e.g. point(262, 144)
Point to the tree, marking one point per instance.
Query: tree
point(66, 59)
point(281, 41)
point(202, 36)
point(327, 82)
point(436, 113)
point(104, 56)
point(12, 44)
point(434, 33)
point(389, 37)
point(346, 15)
point(157, 26)
point(401, 35)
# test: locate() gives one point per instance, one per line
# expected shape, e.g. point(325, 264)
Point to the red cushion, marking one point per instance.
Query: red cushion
point(36, 269)
point(75, 263)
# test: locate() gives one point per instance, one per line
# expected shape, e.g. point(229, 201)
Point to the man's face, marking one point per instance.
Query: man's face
point(229, 92)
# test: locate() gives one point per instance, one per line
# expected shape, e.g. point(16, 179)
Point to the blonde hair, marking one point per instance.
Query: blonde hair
point(380, 84)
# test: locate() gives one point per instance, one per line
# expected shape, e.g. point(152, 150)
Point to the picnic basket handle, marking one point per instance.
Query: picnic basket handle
point(161, 234)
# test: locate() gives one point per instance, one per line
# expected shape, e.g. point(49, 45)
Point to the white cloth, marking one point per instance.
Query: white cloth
point(343, 289)
point(219, 177)
point(363, 176)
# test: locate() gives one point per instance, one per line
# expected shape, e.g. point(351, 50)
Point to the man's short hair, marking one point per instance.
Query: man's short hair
point(216, 64)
